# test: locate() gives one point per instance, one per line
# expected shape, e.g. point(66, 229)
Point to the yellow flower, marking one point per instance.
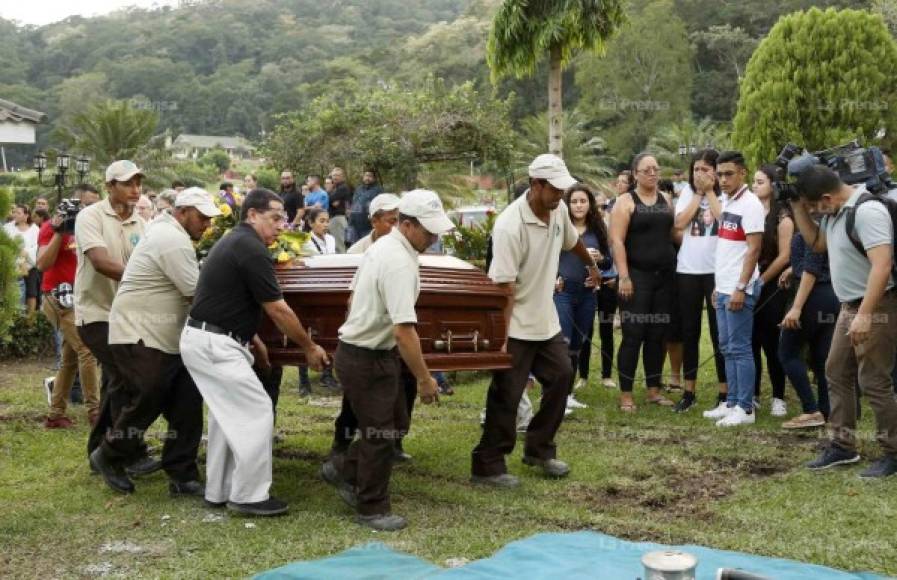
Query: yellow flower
point(296, 247)
point(273, 245)
point(283, 257)
point(225, 210)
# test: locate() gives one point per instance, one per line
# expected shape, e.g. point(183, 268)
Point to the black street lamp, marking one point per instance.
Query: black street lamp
point(63, 160)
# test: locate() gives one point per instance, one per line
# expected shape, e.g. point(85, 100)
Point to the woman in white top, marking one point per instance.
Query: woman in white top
point(317, 223)
point(29, 277)
point(697, 215)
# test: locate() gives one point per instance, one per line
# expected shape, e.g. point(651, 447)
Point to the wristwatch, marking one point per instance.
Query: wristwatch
point(741, 287)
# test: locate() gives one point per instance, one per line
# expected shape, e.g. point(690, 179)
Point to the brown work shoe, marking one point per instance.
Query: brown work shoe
point(805, 421)
point(93, 417)
point(58, 423)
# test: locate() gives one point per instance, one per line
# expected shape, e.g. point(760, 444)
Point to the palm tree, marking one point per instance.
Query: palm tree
point(667, 143)
point(524, 30)
point(111, 130)
point(583, 152)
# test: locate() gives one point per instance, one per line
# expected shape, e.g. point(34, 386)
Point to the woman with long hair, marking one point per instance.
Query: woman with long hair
point(641, 234)
point(775, 255)
point(575, 298)
point(697, 214)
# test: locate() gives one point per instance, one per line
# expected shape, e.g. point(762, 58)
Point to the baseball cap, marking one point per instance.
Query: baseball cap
point(200, 199)
point(122, 170)
point(384, 202)
point(426, 206)
point(553, 169)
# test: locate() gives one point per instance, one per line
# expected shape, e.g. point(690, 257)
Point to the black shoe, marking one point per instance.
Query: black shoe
point(329, 382)
point(215, 504)
point(550, 467)
point(884, 466)
point(831, 456)
point(382, 522)
point(502, 480)
point(269, 507)
point(114, 475)
point(144, 466)
point(331, 475)
point(305, 389)
point(399, 455)
point(685, 403)
point(186, 488)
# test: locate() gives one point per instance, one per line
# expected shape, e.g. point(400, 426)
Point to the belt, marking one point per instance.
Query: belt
point(209, 327)
point(368, 352)
point(856, 303)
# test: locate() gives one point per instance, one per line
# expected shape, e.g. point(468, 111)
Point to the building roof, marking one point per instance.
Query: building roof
point(10, 111)
point(211, 142)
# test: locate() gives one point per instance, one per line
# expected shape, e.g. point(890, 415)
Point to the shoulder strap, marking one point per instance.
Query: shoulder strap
point(851, 219)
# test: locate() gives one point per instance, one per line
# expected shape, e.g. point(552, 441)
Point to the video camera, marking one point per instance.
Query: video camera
point(854, 165)
point(68, 209)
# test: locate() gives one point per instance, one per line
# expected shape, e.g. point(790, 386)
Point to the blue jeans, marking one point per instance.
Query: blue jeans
point(735, 331)
point(576, 310)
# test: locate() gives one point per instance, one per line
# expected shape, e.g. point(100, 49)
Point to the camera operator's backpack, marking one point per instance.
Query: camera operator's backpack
point(891, 206)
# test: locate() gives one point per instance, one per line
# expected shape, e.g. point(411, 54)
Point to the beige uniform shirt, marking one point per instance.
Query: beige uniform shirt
point(385, 289)
point(526, 251)
point(98, 226)
point(362, 245)
point(153, 299)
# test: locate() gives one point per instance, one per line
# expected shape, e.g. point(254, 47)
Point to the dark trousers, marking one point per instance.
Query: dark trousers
point(346, 425)
point(607, 308)
point(370, 381)
point(549, 362)
point(696, 296)
point(271, 380)
point(817, 325)
point(158, 384)
point(96, 336)
point(768, 314)
point(645, 318)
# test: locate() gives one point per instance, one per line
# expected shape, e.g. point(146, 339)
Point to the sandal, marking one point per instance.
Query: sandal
point(660, 400)
point(628, 407)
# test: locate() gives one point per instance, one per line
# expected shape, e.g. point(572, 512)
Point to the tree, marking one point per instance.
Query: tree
point(217, 158)
point(819, 79)
point(583, 148)
point(643, 83)
point(9, 250)
point(523, 32)
point(111, 130)
point(721, 54)
point(700, 134)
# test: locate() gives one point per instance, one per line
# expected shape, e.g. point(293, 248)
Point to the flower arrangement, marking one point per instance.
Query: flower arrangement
point(284, 250)
point(471, 242)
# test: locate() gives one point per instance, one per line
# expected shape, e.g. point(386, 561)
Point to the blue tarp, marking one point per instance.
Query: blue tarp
point(547, 556)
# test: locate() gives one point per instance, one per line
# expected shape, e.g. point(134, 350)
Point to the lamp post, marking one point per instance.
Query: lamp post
point(63, 161)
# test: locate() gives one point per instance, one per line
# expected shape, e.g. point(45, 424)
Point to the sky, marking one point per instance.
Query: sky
point(40, 12)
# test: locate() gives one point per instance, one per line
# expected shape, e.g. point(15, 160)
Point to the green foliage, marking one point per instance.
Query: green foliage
point(268, 178)
point(523, 32)
point(111, 130)
point(9, 250)
point(584, 151)
point(701, 134)
point(29, 335)
point(394, 130)
point(471, 242)
point(643, 83)
point(818, 80)
point(217, 158)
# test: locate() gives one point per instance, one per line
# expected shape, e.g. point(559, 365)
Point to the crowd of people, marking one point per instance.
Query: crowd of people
point(122, 285)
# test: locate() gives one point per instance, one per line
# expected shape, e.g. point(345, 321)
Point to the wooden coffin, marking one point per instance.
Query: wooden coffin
point(460, 311)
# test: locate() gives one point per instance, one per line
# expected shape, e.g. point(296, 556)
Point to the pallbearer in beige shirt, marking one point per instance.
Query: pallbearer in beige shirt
point(526, 245)
point(145, 324)
point(383, 213)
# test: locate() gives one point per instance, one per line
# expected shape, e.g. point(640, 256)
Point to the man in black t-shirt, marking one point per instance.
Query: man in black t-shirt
point(236, 283)
point(340, 202)
point(293, 200)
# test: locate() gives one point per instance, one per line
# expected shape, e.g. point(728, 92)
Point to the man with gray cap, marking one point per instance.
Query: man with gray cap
point(379, 329)
point(527, 241)
point(106, 234)
point(383, 214)
point(145, 325)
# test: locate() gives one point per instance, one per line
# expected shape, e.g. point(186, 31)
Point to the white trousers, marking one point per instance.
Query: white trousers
point(241, 417)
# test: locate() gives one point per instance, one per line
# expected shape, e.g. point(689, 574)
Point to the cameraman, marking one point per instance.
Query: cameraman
point(57, 259)
point(865, 333)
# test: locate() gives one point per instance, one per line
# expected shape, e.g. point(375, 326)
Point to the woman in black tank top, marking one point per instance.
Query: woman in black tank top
point(641, 237)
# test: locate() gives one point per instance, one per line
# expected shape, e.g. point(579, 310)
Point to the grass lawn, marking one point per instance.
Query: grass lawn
point(650, 476)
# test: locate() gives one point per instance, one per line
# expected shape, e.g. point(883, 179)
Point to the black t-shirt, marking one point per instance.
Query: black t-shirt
point(292, 201)
point(235, 279)
point(340, 199)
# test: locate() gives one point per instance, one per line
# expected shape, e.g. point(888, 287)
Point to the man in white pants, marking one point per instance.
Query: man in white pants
point(236, 282)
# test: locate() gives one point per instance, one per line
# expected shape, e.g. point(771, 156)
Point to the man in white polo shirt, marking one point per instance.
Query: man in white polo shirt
point(527, 241)
point(382, 321)
point(383, 213)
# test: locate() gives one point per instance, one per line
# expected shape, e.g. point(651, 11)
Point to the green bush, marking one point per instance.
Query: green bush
point(9, 289)
point(31, 335)
point(217, 158)
point(268, 178)
point(471, 242)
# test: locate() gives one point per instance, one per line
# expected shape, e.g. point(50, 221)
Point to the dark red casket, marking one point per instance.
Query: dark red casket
point(460, 311)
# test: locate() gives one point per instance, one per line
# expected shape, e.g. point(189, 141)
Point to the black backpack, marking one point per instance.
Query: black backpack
point(850, 224)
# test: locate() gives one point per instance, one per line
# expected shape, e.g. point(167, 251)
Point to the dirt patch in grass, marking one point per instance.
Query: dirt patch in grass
point(8, 416)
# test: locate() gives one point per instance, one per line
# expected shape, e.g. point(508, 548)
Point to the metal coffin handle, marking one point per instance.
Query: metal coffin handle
point(449, 340)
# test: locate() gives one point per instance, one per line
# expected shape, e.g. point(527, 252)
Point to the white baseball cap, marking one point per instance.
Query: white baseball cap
point(426, 206)
point(553, 169)
point(122, 170)
point(384, 202)
point(200, 199)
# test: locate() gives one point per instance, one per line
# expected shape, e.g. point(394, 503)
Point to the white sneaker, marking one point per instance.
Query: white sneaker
point(580, 383)
point(609, 383)
point(572, 403)
point(737, 416)
point(568, 411)
point(718, 412)
point(756, 404)
point(779, 408)
point(48, 386)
